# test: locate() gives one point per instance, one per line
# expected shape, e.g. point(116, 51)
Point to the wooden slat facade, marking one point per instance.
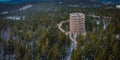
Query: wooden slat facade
point(77, 23)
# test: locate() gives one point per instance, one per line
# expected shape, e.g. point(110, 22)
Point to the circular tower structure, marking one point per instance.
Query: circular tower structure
point(77, 23)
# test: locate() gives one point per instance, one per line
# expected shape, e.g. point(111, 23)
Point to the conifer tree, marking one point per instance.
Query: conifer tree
point(116, 51)
point(110, 57)
point(76, 55)
point(53, 53)
point(17, 54)
point(27, 55)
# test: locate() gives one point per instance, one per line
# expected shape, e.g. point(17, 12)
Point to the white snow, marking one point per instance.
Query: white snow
point(118, 36)
point(73, 5)
point(5, 34)
point(25, 7)
point(97, 22)
point(15, 17)
point(84, 33)
point(60, 2)
point(104, 25)
point(118, 6)
point(5, 12)
point(69, 51)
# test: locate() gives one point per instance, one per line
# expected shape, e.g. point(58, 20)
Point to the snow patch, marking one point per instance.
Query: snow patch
point(97, 22)
point(69, 51)
point(25, 7)
point(73, 5)
point(5, 12)
point(118, 6)
point(15, 17)
point(5, 34)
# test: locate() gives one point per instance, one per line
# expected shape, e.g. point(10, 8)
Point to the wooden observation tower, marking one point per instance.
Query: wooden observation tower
point(77, 26)
point(77, 23)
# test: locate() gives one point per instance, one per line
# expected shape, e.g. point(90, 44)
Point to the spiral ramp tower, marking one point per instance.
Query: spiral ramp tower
point(77, 26)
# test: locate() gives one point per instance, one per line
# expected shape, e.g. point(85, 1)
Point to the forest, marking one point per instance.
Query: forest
point(38, 37)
